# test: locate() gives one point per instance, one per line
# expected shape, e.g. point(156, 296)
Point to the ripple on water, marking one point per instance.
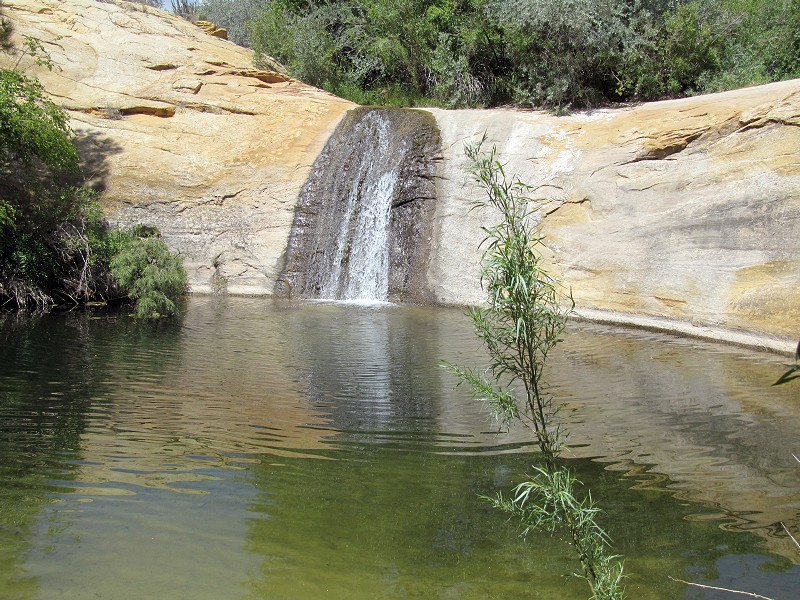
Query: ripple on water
point(284, 436)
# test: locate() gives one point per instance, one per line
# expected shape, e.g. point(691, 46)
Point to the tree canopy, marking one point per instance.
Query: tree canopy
point(543, 53)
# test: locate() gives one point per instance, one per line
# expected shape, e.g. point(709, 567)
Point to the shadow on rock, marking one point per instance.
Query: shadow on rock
point(94, 149)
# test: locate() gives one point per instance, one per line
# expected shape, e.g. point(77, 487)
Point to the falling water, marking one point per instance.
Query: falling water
point(356, 267)
point(360, 229)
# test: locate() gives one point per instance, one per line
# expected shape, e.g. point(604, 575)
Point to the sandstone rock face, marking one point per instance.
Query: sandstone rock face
point(682, 214)
point(181, 131)
point(212, 29)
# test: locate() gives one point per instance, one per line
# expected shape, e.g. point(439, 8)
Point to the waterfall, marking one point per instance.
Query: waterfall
point(354, 261)
point(361, 224)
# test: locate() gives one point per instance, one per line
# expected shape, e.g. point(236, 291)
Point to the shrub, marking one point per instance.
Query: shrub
point(762, 42)
point(691, 50)
point(474, 52)
point(33, 130)
point(544, 53)
point(565, 52)
point(685, 47)
point(38, 215)
point(233, 15)
point(523, 320)
point(54, 244)
point(303, 41)
point(151, 275)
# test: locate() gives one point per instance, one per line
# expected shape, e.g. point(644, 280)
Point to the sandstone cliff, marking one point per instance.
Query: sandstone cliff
point(182, 132)
point(682, 214)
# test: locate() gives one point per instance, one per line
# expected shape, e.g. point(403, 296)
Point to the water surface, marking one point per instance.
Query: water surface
point(258, 449)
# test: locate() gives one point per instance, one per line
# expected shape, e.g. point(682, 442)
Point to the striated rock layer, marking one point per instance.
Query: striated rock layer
point(180, 131)
point(682, 214)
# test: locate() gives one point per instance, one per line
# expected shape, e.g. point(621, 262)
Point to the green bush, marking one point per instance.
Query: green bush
point(151, 275)
point(39, 217)
point(544, 53)
point(34, 131)
point(685, 48)
point(233, 15)
point(303, 41)
point(455, 53)
point(54, 245)
point(762, 42)
point(566, 52)
point(50, 233)
point(716, 45)
point(381, 51)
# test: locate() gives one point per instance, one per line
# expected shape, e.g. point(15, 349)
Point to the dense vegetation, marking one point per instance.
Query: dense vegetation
point(55, 247)
point(547, 53)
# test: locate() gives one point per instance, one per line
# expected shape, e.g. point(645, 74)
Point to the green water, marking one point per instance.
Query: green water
point(265, 450)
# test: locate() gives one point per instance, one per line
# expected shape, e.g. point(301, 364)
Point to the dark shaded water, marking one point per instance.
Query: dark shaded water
point(268, 450)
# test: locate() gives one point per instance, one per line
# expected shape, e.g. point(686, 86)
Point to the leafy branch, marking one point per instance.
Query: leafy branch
point(34, 47)
point(525, 314)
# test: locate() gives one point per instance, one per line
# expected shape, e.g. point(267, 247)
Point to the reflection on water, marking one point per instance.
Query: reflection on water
point(269, 450)
point(705, 416)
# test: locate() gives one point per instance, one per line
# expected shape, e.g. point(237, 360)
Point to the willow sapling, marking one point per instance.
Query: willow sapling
point(523, 319)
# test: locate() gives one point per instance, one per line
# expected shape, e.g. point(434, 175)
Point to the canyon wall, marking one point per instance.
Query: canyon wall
point(682, 214)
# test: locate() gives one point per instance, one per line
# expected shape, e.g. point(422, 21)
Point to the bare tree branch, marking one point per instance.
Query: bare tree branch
point(796, 543)
point(721, 589)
